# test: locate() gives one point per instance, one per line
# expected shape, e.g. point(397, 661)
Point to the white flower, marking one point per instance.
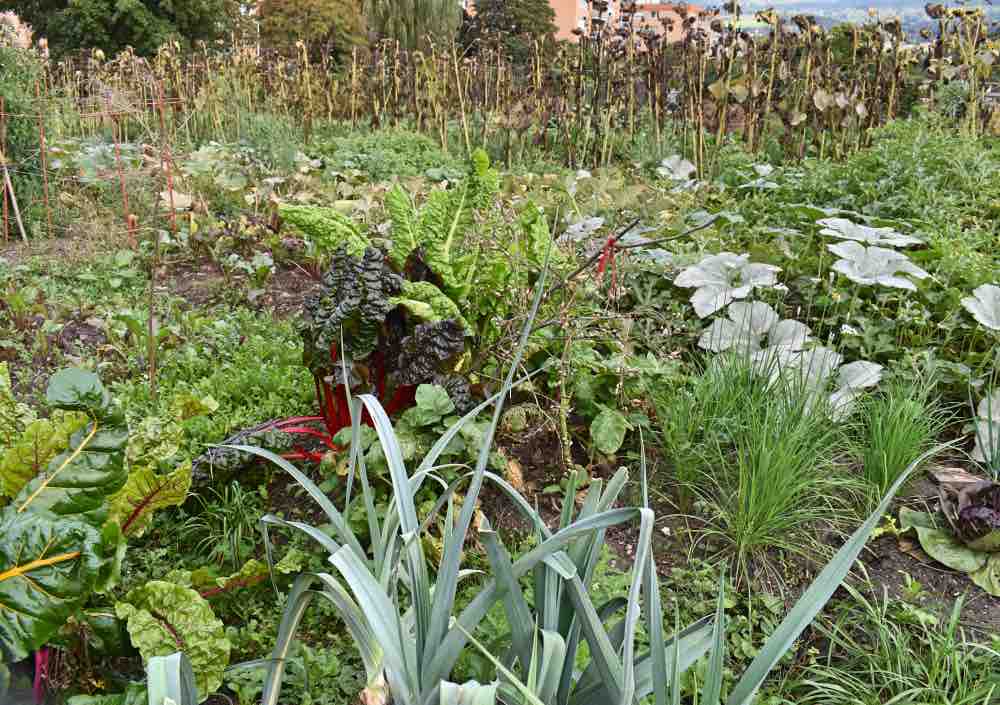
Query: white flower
point(847, 230)
point(723, 278)
point(746, 326)
point(987, 426)
point(873, 266)
point(984, 305)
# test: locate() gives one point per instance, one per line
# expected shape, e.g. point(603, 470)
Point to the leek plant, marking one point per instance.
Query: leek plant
point(410, 633)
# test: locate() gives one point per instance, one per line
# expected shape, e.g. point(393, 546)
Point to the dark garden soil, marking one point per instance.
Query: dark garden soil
point(205, 285)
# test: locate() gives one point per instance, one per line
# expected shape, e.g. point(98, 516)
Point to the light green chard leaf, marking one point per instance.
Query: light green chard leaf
point(154, 440)
point(328, 228)
point(55, 548)
point(79, 480)
point(146, 492)
point(35, 447)
point(48, 567)
point(14, 416)
point(428, 303)
point(405, 225)
point(444, 221)
point(163, 618)
point(188, 406)
point(538, 240)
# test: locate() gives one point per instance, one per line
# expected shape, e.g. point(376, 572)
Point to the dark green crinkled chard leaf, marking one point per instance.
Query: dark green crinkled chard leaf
point(352, 305)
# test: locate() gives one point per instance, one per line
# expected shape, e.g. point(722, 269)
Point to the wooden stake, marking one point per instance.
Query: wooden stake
point(13, 198)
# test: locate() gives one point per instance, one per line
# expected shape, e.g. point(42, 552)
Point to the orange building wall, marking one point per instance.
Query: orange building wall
point(573, 13)
point(568, 16)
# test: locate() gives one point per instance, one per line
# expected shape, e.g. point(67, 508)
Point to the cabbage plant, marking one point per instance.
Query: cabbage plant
point(720, 279)
point(875, 266)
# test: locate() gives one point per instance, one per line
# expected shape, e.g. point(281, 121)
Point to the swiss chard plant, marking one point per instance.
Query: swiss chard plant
point(394, 314)
point(70, 502)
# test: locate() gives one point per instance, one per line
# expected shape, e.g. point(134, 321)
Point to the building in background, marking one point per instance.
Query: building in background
point(661, 17)
point(657, 16)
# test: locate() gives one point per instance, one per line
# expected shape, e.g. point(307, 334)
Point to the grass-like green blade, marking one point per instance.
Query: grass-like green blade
point(337, 520)
point(816, 597)
point(447, 580)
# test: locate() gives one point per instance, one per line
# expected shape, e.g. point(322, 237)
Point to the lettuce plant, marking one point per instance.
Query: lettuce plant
point(964, 534)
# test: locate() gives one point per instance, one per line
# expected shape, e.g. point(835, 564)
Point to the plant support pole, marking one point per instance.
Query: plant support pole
point(13, 197)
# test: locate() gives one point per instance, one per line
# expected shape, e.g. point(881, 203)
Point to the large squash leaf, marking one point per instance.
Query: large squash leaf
point(163, 618)
point(48, 567)
point(145, 492)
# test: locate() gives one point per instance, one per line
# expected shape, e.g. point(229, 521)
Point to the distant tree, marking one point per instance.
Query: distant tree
point(112, 25)
point(411, 22)
point(332, 26)
point(518, 24)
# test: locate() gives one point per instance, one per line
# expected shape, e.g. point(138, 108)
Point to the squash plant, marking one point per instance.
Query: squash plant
point(393, 315)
